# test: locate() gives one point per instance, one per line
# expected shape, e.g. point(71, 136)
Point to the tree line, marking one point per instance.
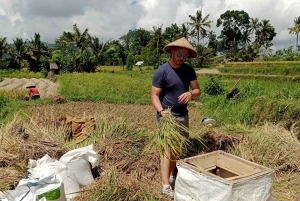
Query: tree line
point(242, 38)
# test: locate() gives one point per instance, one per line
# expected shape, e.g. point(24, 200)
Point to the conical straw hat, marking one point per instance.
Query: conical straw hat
point(182, 42)
point(31, 86)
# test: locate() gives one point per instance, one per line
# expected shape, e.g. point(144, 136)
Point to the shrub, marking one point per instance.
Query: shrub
point(213, 87)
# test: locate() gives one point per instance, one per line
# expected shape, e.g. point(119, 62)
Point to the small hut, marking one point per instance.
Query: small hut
point(53, 69)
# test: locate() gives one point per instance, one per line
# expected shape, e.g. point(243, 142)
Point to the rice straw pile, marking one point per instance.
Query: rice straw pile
point(168, 140)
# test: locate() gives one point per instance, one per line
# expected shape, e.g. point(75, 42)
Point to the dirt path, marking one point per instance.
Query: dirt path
point(46, 87)
point(208, 71)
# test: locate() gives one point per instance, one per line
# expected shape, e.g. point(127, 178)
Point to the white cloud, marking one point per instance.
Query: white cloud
point(112, 19)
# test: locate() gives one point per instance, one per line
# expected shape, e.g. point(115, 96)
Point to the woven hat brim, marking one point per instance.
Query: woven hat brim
point(182, 42)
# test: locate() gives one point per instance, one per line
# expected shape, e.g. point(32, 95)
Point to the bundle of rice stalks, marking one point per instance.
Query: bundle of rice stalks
point(168, 139)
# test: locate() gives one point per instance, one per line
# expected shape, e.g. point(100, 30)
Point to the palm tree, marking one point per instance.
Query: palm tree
point(198, 24)
point(266, 32)
point(185, 31)
point(158, 41)
point(4, 48)
point(36, 51)
point(254, 26)
point(19, 51)
point(296, 29)
point(77, 42)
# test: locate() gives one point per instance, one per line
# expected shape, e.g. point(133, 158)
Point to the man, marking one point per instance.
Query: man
point(170, 89)
point(33, 92)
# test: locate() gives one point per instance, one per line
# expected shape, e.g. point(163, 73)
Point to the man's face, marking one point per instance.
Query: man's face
point(180, 55)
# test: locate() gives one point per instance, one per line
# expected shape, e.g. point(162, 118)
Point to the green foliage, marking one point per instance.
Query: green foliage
point(130, 61)
point(204, 56)
point(284, 55)
point(128, 87)
point(272, 101)
point(3, 101)
point(24, 73)
point(213, 87)
point(199, 25)
point(278, 64)
point(272, 70)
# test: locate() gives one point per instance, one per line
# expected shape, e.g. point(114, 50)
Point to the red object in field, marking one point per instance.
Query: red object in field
point(33, 91)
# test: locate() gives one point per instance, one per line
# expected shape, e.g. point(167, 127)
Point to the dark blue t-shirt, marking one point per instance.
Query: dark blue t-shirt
point(173, 82)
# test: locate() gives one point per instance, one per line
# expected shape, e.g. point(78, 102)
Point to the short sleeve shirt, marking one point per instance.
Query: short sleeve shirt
point(173, 82)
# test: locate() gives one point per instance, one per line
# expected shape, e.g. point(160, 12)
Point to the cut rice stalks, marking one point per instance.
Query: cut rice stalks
point(168, 140)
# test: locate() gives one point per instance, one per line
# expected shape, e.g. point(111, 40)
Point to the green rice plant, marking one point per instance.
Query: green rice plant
point(10, 73)
point(168, 140)
point(111, 88)
point(274, 70)
point(14, 94)
point(3, 101)
point(262, 64)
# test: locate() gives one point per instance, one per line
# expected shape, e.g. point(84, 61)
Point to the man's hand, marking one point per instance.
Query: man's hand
point(165, 112)
point(185, 97)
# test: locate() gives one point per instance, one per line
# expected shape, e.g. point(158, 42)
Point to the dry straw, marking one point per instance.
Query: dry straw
point(167, 139)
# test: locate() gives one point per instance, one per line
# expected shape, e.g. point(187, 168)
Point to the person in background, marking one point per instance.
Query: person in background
point(170, 89)
point(33, 92)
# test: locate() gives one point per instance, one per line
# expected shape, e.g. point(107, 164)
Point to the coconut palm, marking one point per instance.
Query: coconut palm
point(266, 32)
point(185, 31)
point(77, 42)
point(296, 29)
point(158, 41)
point(19, 51)
point(254, 26)
point(198, 24)
point(37, 51)
point(4, 48)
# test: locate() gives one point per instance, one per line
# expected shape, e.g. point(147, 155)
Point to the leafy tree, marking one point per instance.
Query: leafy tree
point(149, 55)
point(134, 40)
point(113, 51)
point(288, 54)
point(295, 30)
point(172, 33)
point(129, 61)
point(213, 42)
point(198, 25)
point(235, 26)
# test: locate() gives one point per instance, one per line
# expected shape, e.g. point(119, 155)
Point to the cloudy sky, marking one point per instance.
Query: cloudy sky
point(110, 19)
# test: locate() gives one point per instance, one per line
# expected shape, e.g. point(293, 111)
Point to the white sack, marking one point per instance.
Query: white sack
point(44, 165)
point(192, 185)
point(79, 161)
point(49, 187)
point(82, 171)
point(87, 153)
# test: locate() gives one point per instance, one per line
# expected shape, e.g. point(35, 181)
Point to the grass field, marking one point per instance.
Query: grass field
point(260, 125)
